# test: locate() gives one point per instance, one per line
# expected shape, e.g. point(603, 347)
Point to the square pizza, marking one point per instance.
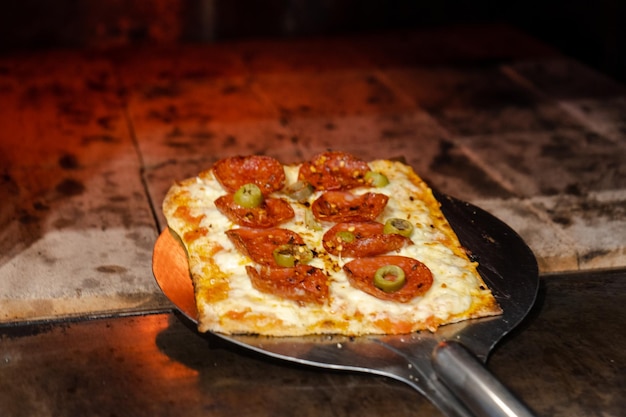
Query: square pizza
point(333, 245)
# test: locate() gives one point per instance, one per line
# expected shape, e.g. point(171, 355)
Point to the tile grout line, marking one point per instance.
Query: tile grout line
point(142, 166)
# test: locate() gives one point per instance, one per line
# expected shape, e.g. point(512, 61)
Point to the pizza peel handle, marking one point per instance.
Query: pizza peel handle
point(471, 382)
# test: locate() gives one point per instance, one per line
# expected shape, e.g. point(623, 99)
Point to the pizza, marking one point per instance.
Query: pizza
point(333, 245)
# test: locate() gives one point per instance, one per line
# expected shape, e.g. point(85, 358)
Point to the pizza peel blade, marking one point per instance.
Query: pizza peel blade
point(446, 366)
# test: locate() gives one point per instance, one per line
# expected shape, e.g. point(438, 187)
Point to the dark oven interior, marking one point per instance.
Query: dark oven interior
point(588, 31)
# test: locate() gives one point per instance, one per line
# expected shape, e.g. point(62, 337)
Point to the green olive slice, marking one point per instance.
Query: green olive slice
point(289, 255)
point(398, 226)
point(310, 222)
point(345, 236)
point(376, 179)
point(248, 196)
point(389, 278)
point(299, 191)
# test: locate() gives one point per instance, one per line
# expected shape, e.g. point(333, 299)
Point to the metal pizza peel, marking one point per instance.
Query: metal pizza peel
point(448, 366)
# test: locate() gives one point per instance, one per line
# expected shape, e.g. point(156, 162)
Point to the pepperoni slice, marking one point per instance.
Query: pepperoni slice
point(360, 273)
point(302, 283)
point(365, 239)
point(264, 171)
point(334, 171)
point(342, 206)
point(270, 213)
point(259, 244)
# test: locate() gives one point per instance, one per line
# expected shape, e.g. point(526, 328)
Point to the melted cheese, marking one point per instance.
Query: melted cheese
point(457, 291)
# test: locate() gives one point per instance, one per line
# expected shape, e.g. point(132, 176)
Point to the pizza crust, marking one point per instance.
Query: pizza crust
point(227, 302)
